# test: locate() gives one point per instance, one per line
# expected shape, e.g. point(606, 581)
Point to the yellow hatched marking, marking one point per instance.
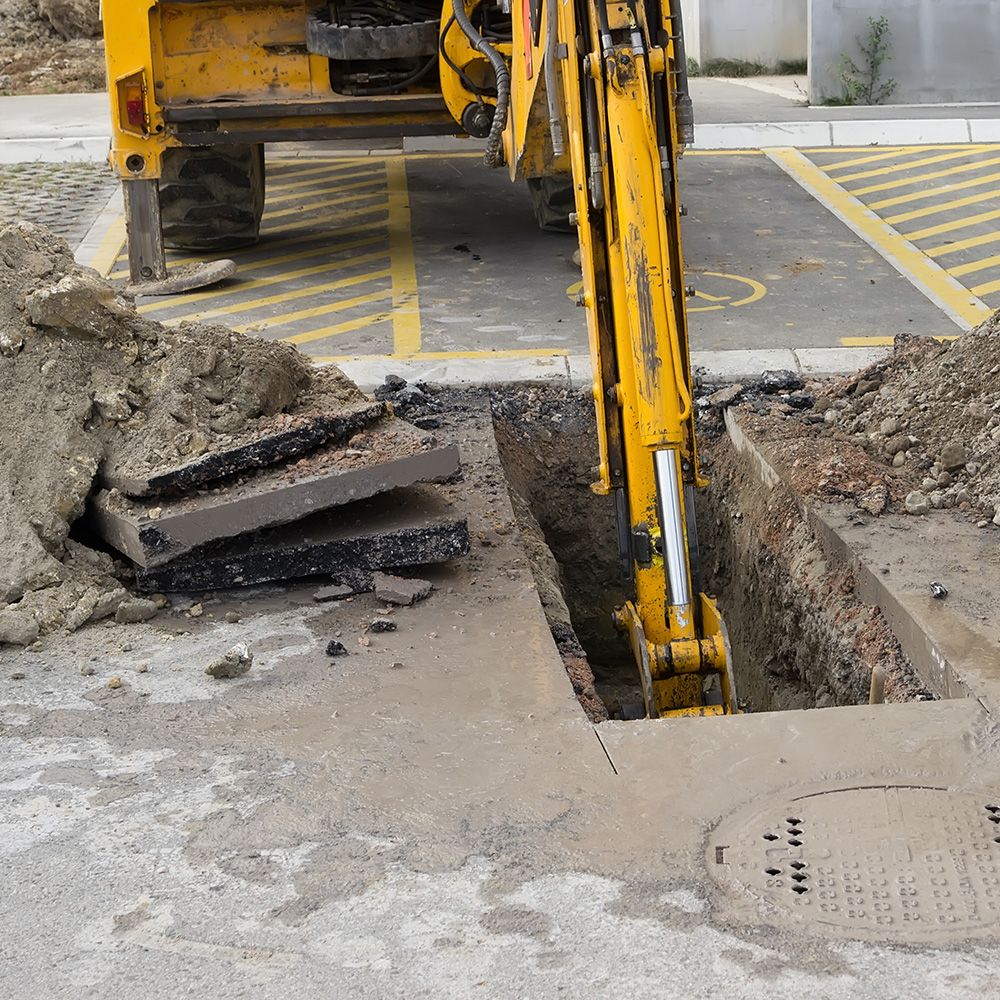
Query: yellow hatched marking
point(972, 241)
point(311, 313)
point(857, 161)
point(322, 238)
point(950, 227)
point(274, 279)
point(930, 278)
point(333, 182)
point(406, 335)
point(374, 186)
point(313, 206)
point(944, 206)
point(884, 341)
point(232, 308)
point(976, 265)
point(932, 175)
point(987, 288)
point(362, 322)
point(902, 199)
point(910, 165)
point(291, 169)
point(329, 229)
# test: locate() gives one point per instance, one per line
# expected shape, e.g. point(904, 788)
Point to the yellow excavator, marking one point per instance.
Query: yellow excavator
point(586, 100)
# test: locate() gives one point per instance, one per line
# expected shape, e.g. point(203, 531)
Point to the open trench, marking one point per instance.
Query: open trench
point(800, 637)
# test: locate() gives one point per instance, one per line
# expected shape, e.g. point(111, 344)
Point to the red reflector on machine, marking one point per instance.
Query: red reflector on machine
point(134, 110)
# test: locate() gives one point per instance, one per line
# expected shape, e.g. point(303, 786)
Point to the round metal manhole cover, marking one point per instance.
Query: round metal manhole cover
point(897, 862)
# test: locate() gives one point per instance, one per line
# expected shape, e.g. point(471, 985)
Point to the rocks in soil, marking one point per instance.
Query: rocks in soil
point(73, 18)
point(17, 628)
point(136, 610)
point(335, 648)
point(779, 380)
point(378, 625)
point(335, 592)
point(399, 590)
point(916, 503)
point(233, 663)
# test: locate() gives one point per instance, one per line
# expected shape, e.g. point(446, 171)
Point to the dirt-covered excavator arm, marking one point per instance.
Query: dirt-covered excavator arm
point(597, 93)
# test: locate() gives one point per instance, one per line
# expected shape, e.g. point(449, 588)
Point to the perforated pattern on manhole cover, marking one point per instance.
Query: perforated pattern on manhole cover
point(899, 862)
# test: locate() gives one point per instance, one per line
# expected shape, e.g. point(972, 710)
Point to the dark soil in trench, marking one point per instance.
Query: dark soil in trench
point(800, 637)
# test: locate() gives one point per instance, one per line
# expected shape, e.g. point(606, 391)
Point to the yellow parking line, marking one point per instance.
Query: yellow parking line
point(908, 165)
point(883, 341)
point(324, 240)
point(950, 227)
point(857, 161)
point(362, 322)
point(378, 174)
point(341, 304)
point(271, 279)
point(405, 301)
point(937, 192)
point(310, 167)
point(374, 185)
point(932, 175)
point(231, 308)
point(956, 245)
point(976, 265)
point(943, 206)
point(987, 288)
point(312, 206)
point(330, 230)
point(929, 278)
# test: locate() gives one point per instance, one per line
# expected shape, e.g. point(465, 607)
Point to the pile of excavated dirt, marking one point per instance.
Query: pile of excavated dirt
point(50, 46)
point(917, 431)
point(92, 391)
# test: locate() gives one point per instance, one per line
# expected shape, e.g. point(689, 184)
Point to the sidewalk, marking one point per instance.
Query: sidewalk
point(751, 113)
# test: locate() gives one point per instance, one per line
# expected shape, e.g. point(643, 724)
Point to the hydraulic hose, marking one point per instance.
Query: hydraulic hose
point(493, 156)
point(552, 77)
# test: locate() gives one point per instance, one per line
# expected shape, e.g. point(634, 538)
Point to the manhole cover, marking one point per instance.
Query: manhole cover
point(896, 862)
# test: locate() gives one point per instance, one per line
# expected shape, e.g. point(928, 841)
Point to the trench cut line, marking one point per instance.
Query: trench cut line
point(960, 304)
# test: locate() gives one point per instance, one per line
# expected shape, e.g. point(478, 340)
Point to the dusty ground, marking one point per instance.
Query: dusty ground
point(36, 57)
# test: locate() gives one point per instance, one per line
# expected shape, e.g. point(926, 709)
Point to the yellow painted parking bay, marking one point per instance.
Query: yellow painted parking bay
point(945, 200)
point(335, 258)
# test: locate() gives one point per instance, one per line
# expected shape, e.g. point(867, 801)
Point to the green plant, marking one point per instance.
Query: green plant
point(864, 84)
point(693, 67)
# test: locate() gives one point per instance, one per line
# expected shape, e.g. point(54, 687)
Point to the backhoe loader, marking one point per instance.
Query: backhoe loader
point(585, 100)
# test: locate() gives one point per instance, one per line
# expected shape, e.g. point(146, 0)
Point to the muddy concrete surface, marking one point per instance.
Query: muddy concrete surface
point(431, 814)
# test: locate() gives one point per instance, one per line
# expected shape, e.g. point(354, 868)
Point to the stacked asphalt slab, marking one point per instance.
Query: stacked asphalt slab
point(338, 498)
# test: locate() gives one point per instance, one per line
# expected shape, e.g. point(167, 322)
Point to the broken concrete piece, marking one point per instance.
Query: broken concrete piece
point(916, 503)
point(405, 528)
point(234, 663)
point(383, 457)
point(17, 628)
point(399, 590)
point(335, 592)
point(300, 435)
point(80, 302)
point(726, 396)
point(137, 610)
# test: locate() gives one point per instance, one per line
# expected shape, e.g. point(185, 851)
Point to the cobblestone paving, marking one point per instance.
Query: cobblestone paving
point(65, 197)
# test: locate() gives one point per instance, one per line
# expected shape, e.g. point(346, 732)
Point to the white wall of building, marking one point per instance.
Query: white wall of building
point(766, 31)
point(941, 50)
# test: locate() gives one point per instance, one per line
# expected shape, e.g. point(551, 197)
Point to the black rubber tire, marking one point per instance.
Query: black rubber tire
point(553, 199)
point(212, 197)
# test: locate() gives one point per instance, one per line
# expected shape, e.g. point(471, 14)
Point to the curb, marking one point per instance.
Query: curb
point(93, 148)
point(819, 134)
point(574, 371)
